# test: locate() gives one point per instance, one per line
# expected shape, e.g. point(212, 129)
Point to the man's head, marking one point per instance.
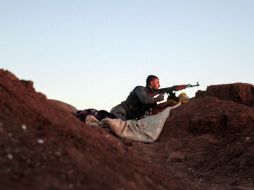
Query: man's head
point(153, 82)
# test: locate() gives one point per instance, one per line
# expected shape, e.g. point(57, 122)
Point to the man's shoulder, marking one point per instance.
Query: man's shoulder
point(138, 88)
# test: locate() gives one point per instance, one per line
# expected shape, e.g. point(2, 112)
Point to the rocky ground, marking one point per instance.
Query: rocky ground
point(207, 143)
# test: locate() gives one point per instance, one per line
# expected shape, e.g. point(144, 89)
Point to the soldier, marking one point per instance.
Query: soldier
point(140, 100)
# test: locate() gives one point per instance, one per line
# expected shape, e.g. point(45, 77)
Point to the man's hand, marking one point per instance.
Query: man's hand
point(159, 98)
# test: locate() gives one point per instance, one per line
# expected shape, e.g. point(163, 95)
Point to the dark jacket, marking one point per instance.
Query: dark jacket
point(139, 101)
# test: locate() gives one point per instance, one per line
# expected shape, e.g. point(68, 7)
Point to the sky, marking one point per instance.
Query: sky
point(91, 54)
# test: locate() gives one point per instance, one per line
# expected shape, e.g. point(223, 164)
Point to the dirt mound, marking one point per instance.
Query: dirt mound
point(63, 105)
point(46, 147)
point(207, 143)
point(238, 92)
point(216, 139)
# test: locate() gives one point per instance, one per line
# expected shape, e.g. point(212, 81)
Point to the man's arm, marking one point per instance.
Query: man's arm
point(145, 98)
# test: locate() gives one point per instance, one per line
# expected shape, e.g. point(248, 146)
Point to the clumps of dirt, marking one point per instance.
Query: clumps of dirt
point(45, 147)
point(207, 143)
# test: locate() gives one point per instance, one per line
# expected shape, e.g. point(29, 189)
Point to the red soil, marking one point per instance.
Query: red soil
point(207, 143)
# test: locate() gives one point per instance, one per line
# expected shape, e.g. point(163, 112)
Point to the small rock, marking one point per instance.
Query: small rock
point(176, 157)
point(40, 141)
point(28, 161)
point(70, 172)
point(71, 186)
point(16, 150)
point(192, 170)
point(1, 124)
point(58, 153)
point(10, 156)
point(247, 138)
point(24, 127)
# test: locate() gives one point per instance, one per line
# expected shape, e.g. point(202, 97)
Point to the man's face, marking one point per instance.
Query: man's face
point(155, 84)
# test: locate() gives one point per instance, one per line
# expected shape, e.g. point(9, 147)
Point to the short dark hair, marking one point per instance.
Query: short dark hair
point(150, 78)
